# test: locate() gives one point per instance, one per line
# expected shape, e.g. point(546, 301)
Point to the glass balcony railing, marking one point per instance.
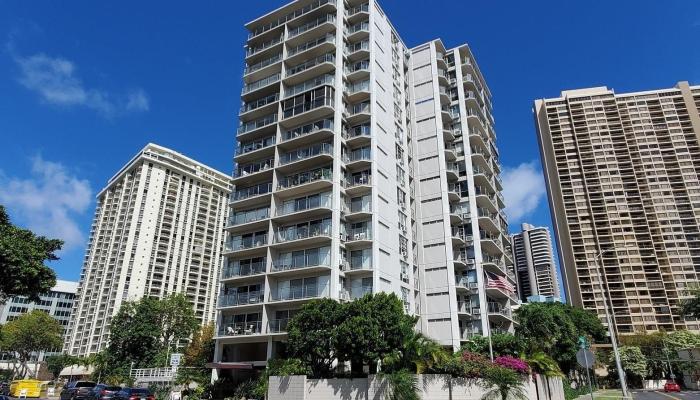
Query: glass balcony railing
point(357, 66)
point(307, 129)
point(257, 190)
point(355, 47)
point(278, 325)
point(306, 177)
point(357, 131)
point(324, 200)
point(356, 87)
point(257, 124)
point(359, 234)
point(238, 269)
point(327, 79)
point(358, 180)
point(329, 57)
point(357, 9)
point(310, 25)
point(254, 105)
point(363, 154)
point(262, 64)
point(361, 26)
point(360, 291)
point(251, 51)
point(247, 147)
point(261, 83)
point(308, 106)
point(243, 298)
point(246, 242)
point(240, 328)
point(362, 108)
point(292, 263)
point(244, 217)
point(253, 168)
point(299, 293)
point(305, 153)
point(303, 231)
point(328, 38)
point(495, 308)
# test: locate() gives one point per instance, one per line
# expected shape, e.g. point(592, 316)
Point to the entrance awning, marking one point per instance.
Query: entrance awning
point(229, 365)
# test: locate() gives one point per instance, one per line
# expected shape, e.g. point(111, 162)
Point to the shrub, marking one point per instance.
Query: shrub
point(513, 363)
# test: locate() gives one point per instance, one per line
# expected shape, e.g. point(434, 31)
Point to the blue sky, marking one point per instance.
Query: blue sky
point(84, 85)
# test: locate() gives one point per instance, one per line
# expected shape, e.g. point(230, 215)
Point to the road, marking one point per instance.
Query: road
point(642, 395)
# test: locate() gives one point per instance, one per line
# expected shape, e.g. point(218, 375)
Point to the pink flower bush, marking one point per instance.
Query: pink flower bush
point(516, 364)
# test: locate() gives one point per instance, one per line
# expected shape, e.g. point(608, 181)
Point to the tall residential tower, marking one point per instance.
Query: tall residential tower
point(361, 166)
point(534, 263)
point(622, 174)
point(157, 230)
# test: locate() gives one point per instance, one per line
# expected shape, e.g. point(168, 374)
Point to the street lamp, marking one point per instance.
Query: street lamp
point(611, 330)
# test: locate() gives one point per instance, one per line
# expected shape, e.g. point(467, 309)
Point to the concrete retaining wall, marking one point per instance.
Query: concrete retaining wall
point(430, 387)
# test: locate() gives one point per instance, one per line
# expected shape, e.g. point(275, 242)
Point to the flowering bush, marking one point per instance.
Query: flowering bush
point(512, 363)
point(474, 365)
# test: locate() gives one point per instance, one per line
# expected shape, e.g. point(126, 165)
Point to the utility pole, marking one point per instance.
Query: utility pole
point(611, 330)
point(670, 369)
point(584, 346)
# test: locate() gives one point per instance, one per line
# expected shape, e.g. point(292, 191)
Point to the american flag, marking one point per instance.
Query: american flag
point(499, 282)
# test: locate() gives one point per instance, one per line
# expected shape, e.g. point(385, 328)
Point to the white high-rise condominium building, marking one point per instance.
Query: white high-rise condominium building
point(58, 303)
point(534, 262)
point(622, 175)
point(157, 230)
point(362, 166)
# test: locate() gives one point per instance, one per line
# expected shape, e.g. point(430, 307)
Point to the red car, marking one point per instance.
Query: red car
point(671, 386)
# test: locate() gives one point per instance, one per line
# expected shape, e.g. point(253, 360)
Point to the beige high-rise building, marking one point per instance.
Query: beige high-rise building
point(534, 262)
point(622, 174)
point(157, 230)
point(362, 166)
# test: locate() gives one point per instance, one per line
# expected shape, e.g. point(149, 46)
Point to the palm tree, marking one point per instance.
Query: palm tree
point(542, 364)
point(504, 384)
point(418, 354)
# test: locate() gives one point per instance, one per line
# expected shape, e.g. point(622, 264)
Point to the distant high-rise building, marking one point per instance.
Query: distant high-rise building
point(622, 174)
point(534, 263)
point(362, 166)
point(157, 230)
point(58, 303)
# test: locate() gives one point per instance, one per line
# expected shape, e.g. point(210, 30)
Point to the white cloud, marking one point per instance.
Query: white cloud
point(48, 201)
point(56, 82)
point(523, 189)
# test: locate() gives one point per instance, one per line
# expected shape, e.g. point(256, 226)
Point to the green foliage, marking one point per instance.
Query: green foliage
point(278, 367)
point(401, 385)
point(633, 362)
point(197, 354)
point(571, 393)
point(55, 364)
point(504, 344)
point(32, 332)
point(312, 335)
point(690, 307)
point(22, 257)
point(554, 328)
point(143, 333)
point(417, 354)
point(503, 384)
point(542, 364)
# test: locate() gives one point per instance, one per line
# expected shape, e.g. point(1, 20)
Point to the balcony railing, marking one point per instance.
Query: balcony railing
point(358, 87)
point(251, 51)
point(305, 231)
point(278, 325)
point(327, 79)
point(305, 153)
point(359, 234)
point(356, 131)
point(261, 83)
point(244, 217)
point(252, 191)
point(357, 66)
point(355, 47)
point(290, 264)
point(239, 299)
point(308, 106)
point(257, 124)
point(244, 243)
point(247, 147)
point(360, 291)
point(465, 282)
point(495, 308)
point(329, 57)
point(307, 129)
point(252, 168)
point(324, 200)
point(357, 9)
point(328, 38)
point(298, 293)
point(231, 271)
point(262, 64)
point(363, 107)
point(359, 180)
point(361, 26)
point(305, 177)
point(254, 105)
point(364, 154)
point(241, 328)
point(310, 25)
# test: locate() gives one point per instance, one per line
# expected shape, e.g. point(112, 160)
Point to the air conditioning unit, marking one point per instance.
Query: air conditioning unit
point(404, 276)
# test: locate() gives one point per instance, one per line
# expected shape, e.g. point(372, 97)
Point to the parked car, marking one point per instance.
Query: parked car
point(4, 388)
point(672, 386)
point(102, 391)
point(134, 394)
point(77, 390)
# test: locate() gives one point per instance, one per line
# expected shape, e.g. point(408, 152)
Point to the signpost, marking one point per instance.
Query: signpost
point(585, 359)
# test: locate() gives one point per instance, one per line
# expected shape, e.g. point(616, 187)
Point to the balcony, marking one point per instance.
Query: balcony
point(357, 183)
point(358, 158)
point(303, 158)
point(312, 48)
point(257, 125)
point(358, 237)
point(500, 288)
point(244, 172)
point(456, 191)
point(488, 220)
point(307, 181)
point(294, 109)
point(357, 70)
point(357, 51)
point(357, 31)
point(308, 133)
point(253, 71)
point(313, 232)
point(360, 134)
point(248, 148)
point(246, 242)
point(460, 237)
point(452, 170)
point(241, 328)
point(264, 46)
point(357, 91)
point(358, 292)
point(301, 72)
point(239, 271)
point(309, 207)
point(358, 265)
point(326, 22)
point(493, 264)
point(459, 213)
point(358, 209)
point(357, 12)
point(259, 84)
point(464, 284)
point(309, 263)
point(277, 325)
point(357, 112)
point(327, 79)
point(461, 258)
point(500, 312)
point(252, 192)
point(297, 293)
point(241, 299)
point(248, 216)
point(258, 106)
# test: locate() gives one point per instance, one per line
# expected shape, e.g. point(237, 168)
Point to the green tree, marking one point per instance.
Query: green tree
point(690, 307)
point(197, 354)
point(633, 362)
point(33, 332)
point(372, 328)
point(417, 355)
point(312, 335)
point(56, 363)
point(22, 257)
point(503, 384)
point(504, 344)
point(177, 320)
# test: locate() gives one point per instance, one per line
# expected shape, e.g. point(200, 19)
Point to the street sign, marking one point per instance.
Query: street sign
point(175, 359)
point(585, 358)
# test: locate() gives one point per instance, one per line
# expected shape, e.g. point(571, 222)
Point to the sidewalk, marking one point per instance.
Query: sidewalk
point(610, 394)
